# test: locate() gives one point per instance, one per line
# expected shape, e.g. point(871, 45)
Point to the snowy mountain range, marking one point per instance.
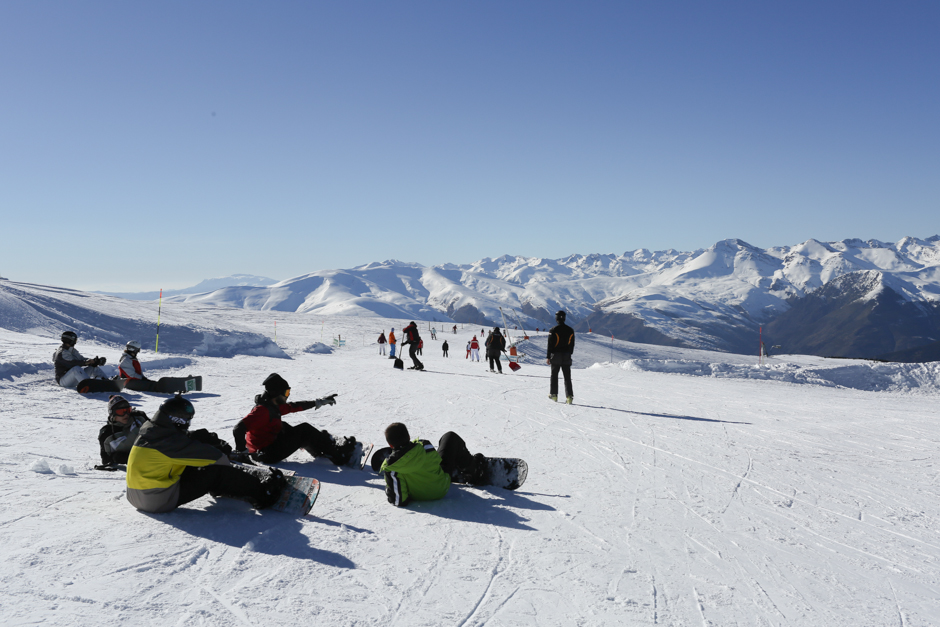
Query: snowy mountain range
point(850, 298)
point(207, 285)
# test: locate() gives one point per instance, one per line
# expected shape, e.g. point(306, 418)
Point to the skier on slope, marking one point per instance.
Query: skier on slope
point(391, 344)
point(560, 347)
point(71, 368)
point(270, 440)
point(413, 339)
point(414, 470)
point(474, 349)
point(382, 342)
point(167, 468)
point(495, 345)
point(445, 346)
point(129, 367)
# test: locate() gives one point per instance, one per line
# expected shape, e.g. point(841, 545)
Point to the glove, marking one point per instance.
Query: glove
point(109, 467)
point(91, 362)
point(326, 400)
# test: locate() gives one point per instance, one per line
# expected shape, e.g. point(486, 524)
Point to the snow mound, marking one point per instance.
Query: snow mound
point(19, 368)
point(318, 348)
point(41, 466)
point(872, 377)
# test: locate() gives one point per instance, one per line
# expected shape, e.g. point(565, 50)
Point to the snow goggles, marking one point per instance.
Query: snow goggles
point(122, 411)
point(286, 392)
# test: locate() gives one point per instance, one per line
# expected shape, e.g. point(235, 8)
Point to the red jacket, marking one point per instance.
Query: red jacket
point(474, 344)
point(260, 428)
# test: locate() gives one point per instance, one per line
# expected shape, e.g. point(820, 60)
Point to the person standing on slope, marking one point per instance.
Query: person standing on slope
point(129, 367)
point(560, 348)
point(382, 343)
point(391, 344)
point(445, 346)
point(167, 468)
point(270, 440)
point(474, 349)
point(495, 345)
point(413, 341)
point(71, 368)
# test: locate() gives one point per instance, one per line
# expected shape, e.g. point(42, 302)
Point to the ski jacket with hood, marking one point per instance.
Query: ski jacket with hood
point(116, 440)
point(159, 456)
point(414, 473)
point(411, 334)
point(65, 358)
point(495, 344)
point(382, 338)
point(560, 340)
point(391, 337)
point(260, 427)
point(129, 367)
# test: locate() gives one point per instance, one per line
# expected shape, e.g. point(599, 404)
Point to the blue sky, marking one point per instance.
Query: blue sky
point(147, 145)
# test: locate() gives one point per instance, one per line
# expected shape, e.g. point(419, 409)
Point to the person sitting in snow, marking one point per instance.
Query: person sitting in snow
point(71, 368)
point(415, 471)
point(117, 437)
point(270, 440)
point(129, 367)
point(167, 468)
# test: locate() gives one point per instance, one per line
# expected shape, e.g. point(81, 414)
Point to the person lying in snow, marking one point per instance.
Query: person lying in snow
point(414, 470)
point(71, 368)
point(168, 468)
point(269, 439)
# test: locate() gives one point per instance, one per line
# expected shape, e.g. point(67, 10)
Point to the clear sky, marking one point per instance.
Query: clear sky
point(155, 144)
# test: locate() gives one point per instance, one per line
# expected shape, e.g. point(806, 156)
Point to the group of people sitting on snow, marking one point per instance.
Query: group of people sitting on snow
point(71, 367)
point(169, 465)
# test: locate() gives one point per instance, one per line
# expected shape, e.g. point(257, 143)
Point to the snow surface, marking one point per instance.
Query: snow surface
point(683, 488)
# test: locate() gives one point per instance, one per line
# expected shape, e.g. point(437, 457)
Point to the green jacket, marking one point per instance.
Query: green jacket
point(414, 473)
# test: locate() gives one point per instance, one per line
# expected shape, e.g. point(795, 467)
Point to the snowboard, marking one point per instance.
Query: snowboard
point(93, 386)
point(165, 385)
point(366, 449)
point(505, 472)
point(299, 495)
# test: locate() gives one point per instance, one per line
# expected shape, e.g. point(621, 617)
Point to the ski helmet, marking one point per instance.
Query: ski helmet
point(560, 316)
point(179, 410)
point(115, 404)
point(69, 337)
point(133, 347)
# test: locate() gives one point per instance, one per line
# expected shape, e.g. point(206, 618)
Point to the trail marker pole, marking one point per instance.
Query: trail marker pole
point(156, 348)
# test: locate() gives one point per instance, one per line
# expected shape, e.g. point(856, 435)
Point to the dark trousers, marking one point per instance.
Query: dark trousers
point(561, 362)
point(412, 352)
point(218, 480)
point(454, 454)
point(445, 352)
point(291, 439)
point(495, 359)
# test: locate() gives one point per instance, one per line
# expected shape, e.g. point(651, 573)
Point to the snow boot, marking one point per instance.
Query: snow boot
point(553, 397)
point(271, 488)
point(570, 400)
point(478, 470)
point(343, 449)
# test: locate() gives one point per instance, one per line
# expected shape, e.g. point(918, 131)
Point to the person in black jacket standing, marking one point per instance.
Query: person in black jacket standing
point(560, 347)
point(495, 344)
point(413, 340)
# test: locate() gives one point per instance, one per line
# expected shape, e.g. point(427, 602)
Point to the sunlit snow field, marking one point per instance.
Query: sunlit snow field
point(681, 488)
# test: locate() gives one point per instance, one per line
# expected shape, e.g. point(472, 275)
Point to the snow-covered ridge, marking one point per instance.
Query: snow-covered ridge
point(700, 298)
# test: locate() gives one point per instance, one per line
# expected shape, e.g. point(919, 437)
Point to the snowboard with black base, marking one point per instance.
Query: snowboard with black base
point(165, 385)
point(94, 386)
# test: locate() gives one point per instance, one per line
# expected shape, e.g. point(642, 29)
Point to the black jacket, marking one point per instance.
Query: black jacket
point(495, 344)
point(560, 340)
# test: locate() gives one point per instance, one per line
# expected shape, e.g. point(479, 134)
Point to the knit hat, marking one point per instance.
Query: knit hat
point(117, 402)
point(275, 384)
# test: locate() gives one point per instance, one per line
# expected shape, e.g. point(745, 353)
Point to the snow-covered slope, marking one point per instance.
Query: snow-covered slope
point(207, 285)
point(684, 487)
point(714, 298)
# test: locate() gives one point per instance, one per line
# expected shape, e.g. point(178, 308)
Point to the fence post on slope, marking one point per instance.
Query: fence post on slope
point(156, 348)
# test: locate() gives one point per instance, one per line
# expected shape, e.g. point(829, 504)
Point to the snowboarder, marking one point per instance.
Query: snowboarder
point(382, 342)
point(444, 346)
point(495, 345)
point(129, 366)
point(269, 439)
point(414, 470)
point(117, 437)
point(414, 340)
point(391, 344)
point(560, 347)
point(167, 468)
point(474, 349)
point(71, 368)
